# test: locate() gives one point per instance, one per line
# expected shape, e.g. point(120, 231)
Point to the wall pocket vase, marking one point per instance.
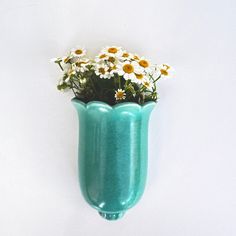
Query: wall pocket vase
point(113, 152)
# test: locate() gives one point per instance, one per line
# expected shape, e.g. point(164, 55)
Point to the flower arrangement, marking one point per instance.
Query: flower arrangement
point(113, 76)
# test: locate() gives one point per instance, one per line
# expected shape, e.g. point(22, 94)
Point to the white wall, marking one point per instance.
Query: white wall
point(191, 187)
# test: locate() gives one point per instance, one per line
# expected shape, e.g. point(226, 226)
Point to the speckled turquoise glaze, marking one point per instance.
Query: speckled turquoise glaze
point(113, 143)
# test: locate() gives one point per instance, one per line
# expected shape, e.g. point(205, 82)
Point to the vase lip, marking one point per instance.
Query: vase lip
point(104, 104)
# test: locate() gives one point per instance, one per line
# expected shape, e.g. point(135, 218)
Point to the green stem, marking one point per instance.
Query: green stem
point(157, 79)
point(119, 82)
point(59, 63)
point(76, 86)
point(72, 88)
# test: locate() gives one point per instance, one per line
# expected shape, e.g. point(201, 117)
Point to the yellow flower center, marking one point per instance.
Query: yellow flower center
point(78, 51)
point(139, 76)
point(146, 84)
point(102, 56)
point(102, 71)
point(164, 72)
point(143, 63)
point(112, 50)
point(125, 54)
point(111, 59)
point(119, 95)
point(127, 68)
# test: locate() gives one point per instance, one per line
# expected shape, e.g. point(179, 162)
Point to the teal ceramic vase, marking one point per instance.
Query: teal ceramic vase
point(113, 148)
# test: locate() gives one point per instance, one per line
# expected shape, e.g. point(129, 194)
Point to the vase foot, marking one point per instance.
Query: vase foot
point(111, 216)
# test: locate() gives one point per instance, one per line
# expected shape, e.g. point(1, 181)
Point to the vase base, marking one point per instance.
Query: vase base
point(111, 216)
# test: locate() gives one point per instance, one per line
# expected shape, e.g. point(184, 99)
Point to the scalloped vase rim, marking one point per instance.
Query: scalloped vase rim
point(123, 104)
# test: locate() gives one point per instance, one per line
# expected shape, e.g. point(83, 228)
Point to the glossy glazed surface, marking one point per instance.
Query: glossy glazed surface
point(113, 143)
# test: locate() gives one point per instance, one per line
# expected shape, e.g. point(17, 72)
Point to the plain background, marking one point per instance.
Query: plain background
point(191, 188)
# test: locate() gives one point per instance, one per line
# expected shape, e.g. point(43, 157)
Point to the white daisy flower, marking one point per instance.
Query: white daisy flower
point(112, 51)
point(145, 64)
point(139, 78)
point(147, 84)
point(78, 52)
point(103, 71)
point(166, 70)
point(128, 70)
point(101, 57)
point(81, 65)
point(120, 94)
point(126, 56)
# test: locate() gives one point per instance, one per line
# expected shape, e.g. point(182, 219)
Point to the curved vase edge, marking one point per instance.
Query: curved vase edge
point(149, 104)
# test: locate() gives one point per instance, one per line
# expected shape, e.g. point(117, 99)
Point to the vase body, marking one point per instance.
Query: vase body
point(113, 148)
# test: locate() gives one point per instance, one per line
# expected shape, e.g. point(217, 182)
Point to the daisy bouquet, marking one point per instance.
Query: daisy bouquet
point(113, 76)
